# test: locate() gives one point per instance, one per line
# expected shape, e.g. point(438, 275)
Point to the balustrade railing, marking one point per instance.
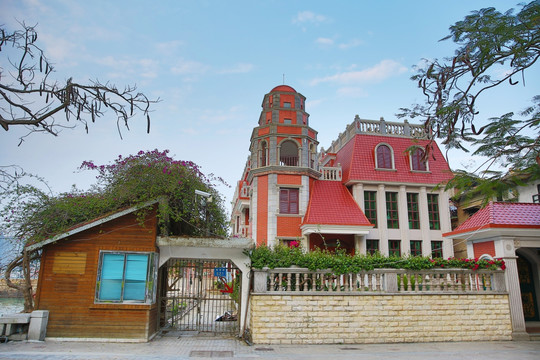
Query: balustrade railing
point(299, 281)
point(331, 173)
point(288, 160)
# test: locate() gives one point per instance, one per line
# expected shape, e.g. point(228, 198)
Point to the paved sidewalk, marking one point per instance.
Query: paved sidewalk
point(203, 347)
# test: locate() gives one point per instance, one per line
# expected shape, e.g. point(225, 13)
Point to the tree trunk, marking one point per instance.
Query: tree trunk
point(27, 291)
point(26, 288)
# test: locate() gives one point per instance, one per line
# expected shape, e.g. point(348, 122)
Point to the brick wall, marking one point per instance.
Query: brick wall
point(486, 247)
point(355, 319)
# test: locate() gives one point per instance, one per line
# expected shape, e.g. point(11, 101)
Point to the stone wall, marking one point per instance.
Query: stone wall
point(356, 319)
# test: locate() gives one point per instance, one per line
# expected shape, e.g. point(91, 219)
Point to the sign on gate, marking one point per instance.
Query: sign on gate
point(220, 272)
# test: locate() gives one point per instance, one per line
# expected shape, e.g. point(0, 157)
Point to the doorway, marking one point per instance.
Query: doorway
point(200, 295)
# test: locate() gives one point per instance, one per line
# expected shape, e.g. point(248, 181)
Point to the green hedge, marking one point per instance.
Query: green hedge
point(340, 262)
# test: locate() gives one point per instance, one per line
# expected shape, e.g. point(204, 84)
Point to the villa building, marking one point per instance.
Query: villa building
point(373, 189)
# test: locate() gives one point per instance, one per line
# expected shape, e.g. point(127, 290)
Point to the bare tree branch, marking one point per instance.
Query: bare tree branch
point(30, 98)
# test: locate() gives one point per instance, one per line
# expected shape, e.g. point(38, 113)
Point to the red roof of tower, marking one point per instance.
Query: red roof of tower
point(284, 88)
point(357, 159)
point(331, 203)
point(501, 215)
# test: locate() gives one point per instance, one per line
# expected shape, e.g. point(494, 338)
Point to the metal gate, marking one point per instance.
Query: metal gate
point(201, 295)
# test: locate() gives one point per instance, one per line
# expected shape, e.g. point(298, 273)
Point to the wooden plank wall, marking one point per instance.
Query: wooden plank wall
point(67, 283)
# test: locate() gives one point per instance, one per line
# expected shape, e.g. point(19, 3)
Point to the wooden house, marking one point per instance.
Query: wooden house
point(98, 280)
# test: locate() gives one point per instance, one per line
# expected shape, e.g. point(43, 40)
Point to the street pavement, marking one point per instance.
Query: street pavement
point(181, 346)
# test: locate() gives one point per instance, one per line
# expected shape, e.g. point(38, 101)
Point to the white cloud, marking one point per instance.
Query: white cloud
point(309, 17)
point(168, 47)
point(351, 44)
point(324, 41)
point(240, 68)
point(113, 62)
point(354, 92)
point(314, 103)
point(217, 116)
point(189, 131)
point(188, 67)
point(59, 49)
point(147, 68)
point(383, 70)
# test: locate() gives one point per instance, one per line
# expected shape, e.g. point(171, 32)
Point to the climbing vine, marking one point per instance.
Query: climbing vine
point(31, 215)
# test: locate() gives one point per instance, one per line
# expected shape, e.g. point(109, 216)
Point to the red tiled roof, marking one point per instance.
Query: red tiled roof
point(357, 159)
point(331, 203)
point(502, 215)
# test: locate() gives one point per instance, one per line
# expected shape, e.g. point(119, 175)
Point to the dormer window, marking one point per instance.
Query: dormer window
point(384, 157)
point(418, 163)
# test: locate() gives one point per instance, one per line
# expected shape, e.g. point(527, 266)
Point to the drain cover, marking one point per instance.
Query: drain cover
point(211, 354)
point(264, 349)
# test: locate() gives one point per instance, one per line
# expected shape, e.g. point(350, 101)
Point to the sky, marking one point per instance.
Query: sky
point(212, 62)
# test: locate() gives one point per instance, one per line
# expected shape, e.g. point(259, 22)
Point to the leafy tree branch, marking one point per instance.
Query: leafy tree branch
point(495, 50)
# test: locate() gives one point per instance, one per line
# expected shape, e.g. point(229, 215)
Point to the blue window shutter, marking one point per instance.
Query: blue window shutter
point(136, 275)
point(112, 270)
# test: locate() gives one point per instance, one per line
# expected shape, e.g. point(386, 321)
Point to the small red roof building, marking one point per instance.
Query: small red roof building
point(501, 215)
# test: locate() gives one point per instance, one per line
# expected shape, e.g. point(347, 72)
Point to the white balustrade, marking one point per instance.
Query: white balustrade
point(299, 280)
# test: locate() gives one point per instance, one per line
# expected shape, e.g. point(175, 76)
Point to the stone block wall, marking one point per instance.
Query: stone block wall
point(356, 319)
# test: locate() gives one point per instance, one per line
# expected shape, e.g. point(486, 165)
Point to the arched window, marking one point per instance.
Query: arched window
point(384, 157)
point(417, 160)
point(288, 153)
point(263, 154)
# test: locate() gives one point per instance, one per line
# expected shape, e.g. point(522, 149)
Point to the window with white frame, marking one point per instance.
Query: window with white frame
point(418, 163)
point(384, 157)
point(288, 200)
point(126, 277)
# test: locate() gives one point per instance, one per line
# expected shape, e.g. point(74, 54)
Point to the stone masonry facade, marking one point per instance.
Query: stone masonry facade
point(358, 319)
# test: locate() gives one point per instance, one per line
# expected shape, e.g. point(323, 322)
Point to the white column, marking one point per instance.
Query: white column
point(514, 298)
point(304, 196)
point(504, 247)
point(444, 211)
point(253, 209)
point(404, 220)
point(359, 244)
point(272, 210)
point(381, 220)
point(358, 194)
point(424, 221)
point(446, 224)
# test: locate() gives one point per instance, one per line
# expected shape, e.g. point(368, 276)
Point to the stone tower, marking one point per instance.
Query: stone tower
point(283, 166)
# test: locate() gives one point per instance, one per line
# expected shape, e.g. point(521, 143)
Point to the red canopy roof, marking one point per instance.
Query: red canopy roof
point(332, 204)
point(357, 159)
point(501, 215)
